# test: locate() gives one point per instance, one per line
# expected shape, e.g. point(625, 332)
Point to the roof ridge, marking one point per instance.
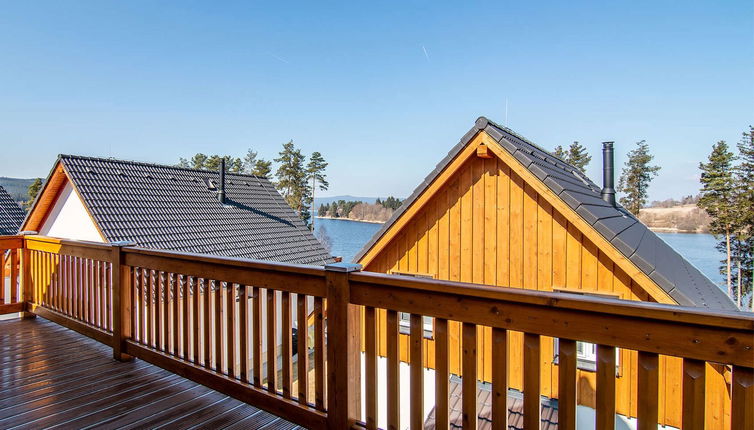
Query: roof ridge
point(528, 141)
point(144, 163)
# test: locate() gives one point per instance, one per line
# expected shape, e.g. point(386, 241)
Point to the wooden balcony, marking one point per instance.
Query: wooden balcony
point(228, 325)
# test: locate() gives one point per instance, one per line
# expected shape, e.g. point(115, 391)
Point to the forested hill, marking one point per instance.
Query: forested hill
point(17, 188)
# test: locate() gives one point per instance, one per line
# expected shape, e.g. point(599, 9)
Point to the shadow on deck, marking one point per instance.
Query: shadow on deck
point(51, 376)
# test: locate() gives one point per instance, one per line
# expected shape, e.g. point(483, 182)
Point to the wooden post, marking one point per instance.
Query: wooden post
point(122, 293)
point(26, 282)
point(343, 349)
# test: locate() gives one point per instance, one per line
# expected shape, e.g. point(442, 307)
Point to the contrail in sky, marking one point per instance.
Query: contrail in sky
point(425, 52)
point(279, 59)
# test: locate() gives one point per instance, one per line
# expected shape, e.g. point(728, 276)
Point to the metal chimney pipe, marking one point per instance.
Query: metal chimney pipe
point(221, 194)
point(608, 173)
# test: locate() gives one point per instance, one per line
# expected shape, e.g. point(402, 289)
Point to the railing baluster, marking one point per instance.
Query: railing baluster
point(182, 291)
point(243, 332)
point(271, 341)
point(647, 390)
point(393, 372)
point(175, 296)
point(469, 383)
point(286, 343)
point(499, 378)
point(2, 276)
point(567, 360)
point(442, 373)
point(693, 394)
point(13, 275)
point(303, 352)
point(417, 372)
point(742, 399)
point(92, 293)
point(257, 336)
point(605, 387)
point(164, 294)
point(205, 286)
point(192, 293)
point(319, 353)
point(230, 322)
point(370, 377)
point(218, 325)
point(532, 354)
point(154, 310)
point(256, 339)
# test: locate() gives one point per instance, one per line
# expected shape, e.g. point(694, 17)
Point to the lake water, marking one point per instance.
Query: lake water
point(348, 237)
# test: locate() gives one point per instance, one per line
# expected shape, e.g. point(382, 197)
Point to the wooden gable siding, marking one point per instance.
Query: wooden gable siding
point(487, 225)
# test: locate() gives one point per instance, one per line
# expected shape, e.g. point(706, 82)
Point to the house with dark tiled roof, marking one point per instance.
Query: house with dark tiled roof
point(171, 208)
point(11, 214)
point(499, 210)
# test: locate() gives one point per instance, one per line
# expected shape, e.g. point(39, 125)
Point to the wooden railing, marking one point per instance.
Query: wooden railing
point(11, 296)
point(229, 324)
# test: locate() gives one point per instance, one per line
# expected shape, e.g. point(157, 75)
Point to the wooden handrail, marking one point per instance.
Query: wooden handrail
point(176, 310)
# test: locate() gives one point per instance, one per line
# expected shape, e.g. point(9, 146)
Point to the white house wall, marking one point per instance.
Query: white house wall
point(69, 219)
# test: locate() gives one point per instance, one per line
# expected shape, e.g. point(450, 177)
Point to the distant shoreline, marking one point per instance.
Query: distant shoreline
point(350, 219)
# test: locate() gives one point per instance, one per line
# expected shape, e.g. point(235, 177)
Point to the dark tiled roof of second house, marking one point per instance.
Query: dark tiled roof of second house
point(11, 214)
point(166, 207)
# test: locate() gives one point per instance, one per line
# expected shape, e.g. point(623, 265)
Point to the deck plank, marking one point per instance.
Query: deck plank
point(52, 376)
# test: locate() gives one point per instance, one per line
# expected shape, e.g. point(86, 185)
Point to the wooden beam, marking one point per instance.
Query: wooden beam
point(469, 384)
point(567, 360)
point(605, 387)
point(693, 394)
point(482, 151)
point(500, 379)
point(647, 391)
point(532, 375)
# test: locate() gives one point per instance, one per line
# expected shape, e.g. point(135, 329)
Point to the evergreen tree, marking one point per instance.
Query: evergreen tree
point(636, 176)
point(198, 160)
point(182, 162)
point(262, 168)
point(249, 160)
point(576, 155)
point(745, 207)
point(292, 180)
point(717, 198)
point(316, 173)
point(560, 153)
point(32, 192)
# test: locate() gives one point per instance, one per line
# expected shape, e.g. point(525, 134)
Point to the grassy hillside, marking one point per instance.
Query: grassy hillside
point(16, 187)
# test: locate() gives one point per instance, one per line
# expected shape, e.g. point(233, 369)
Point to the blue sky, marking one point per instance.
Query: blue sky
point(138, 81)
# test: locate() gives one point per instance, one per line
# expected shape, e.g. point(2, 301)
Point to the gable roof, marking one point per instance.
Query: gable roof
point(11, 214)
point(173, 208)
point(650, 254)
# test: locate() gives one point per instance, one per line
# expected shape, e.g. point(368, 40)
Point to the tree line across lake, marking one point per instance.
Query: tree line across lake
point(379, 211)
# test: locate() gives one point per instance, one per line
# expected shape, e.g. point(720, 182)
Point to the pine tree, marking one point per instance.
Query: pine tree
point(745, 202)
point(717, 198)
point(560, 153)
point(636, 176)
point(292, 180)
point(316, 173)
point(578, 156)
point(32, 192)
point(198, 160)
point(262, 168)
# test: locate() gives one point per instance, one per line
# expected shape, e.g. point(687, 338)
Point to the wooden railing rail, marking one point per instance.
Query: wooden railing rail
point(698, 337)
point(288, 338)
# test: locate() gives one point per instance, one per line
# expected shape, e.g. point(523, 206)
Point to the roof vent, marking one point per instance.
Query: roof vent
point(608, 174)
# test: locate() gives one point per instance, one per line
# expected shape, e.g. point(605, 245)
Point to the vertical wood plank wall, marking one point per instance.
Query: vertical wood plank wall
point(485, 225)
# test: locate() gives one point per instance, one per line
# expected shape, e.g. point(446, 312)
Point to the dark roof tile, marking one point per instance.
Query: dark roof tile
point(11, 214)
point(166, 207)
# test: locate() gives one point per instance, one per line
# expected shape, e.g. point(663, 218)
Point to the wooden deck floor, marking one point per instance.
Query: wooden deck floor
point(53, 377)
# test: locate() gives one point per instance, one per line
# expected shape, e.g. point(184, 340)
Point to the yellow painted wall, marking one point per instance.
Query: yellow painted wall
point(486, 225)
